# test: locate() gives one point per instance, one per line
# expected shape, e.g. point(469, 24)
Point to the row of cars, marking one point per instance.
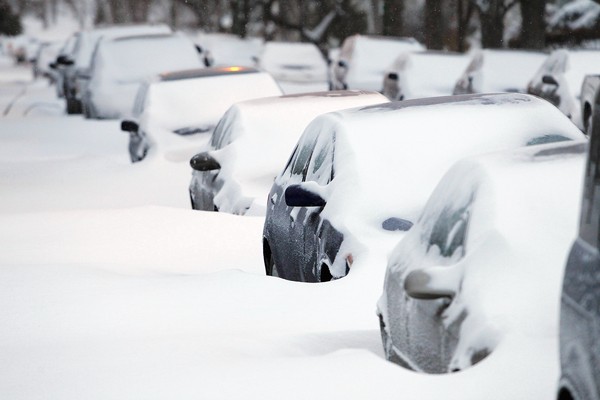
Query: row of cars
point(403, 70)
point(477, 242)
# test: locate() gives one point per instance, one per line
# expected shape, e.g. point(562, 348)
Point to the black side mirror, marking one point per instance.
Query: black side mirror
point(129, 126)
point(549, 80)
point(64, 60)
point(204, 162)
point(299, 196)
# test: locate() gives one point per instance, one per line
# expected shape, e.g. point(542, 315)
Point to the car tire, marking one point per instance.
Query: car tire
point(73, 106)
point(271, 267)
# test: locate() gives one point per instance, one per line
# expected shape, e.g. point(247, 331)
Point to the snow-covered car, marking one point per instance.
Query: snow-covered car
point(364, 173)
point(494, 71)
point(228, 49)
point(423, 74)
point(298, 67)
point(589, 101)
point(63, 63)
point(479, 273)
point(560, 78)
point(122, 64)
point(176, 112)
point(234, 174)
point(362, 60)
point(580, 300)
point(77, 64)
point(46, 55)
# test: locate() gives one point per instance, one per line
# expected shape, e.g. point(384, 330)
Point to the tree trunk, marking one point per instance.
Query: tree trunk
point(434, 25)
point(533, 27)
point(392, 17)
point(491, 18)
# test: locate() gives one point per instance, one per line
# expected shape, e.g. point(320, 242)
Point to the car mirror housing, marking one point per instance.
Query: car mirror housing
point(301, 196)
point(129, 126)
point(204, 162)
point(433, 283)
point(64, 60)
point(549, 80)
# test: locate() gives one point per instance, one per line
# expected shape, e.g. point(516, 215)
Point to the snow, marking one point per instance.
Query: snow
point(299, 67)
point(367, 57)
point(111, 287)
point(424, 74)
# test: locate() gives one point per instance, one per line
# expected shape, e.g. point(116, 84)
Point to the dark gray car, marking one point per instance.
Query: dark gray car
point(580, 302)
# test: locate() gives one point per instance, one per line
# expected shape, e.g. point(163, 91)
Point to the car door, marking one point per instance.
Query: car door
point(321, 240)
point(580, 300)
point(284, 223)
point(430, 339)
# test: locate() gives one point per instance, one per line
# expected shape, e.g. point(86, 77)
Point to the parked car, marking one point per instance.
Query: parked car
point(423, 74)
point(122, 64)
point(478, 276)
point(77, 64)
point(252, 143)
point(362, 60)
point(580, 301)
point(298, 67)
point(589, 102)
point(489, 71)
point(560, 78)
point(176, 112)
point(372, 169)
point(63, 63)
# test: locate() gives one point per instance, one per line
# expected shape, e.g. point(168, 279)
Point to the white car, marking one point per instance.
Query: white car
point(362, 60)
point(475, 285)
point(175, 113)
point(122, 64)
point(77, 62)
point(360, 178)
point(251, 145)
point(298, 67)
point(560, 78)
point(495, 71)
point(423, 74)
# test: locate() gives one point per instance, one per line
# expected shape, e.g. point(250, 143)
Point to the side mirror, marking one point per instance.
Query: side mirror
point(549, 80)
point(433, 283)
point(342, 64)
point(64, 60)
point(300, 196)
point(129, 126)
point(204, 162)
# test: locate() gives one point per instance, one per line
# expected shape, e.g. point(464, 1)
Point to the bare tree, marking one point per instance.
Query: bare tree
point(491, 17)
point(434, 27)
point(533, 27)
point(393, 13)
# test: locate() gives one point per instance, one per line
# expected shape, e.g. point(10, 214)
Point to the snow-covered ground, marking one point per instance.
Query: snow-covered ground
point(112, 288)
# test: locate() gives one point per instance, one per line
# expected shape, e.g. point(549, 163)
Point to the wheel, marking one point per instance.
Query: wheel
point(73, 106)
point(271, 268)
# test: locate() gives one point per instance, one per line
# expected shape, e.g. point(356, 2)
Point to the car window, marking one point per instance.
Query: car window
point(140, 100)
point(544, 139)
point(449, 232)
point(300, 164)
point(320, 168)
